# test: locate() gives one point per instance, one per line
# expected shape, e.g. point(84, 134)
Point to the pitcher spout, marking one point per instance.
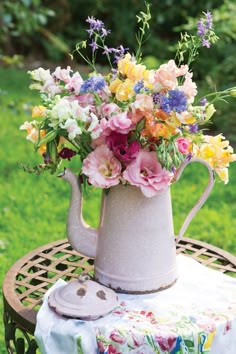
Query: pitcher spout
point(82, 237)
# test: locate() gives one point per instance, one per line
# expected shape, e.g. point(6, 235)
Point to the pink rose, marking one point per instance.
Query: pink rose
point(146, 172)
point(125, 152)
point(120, 123)
point(183, 145)
point(102, 168)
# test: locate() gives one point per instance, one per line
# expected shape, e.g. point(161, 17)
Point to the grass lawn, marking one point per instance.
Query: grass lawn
point(34, 208)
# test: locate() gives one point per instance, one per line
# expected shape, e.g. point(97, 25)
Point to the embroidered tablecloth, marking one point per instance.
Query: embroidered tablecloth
point(196, 315)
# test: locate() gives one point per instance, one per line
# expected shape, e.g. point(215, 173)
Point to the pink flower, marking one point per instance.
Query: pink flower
point(189, 87)
point(74, 84)
point(118, 143)
point(183, 145)
point(166, 75)
point(141, 105)
point(166, 343)
point(120, 123)
point(116, 337)
point(85, 100)
point(62, 74)
point(102, 168)
point(146, 172)
point(107, 109)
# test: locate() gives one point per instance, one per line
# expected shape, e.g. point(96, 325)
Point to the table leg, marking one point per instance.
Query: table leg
point(17, 340)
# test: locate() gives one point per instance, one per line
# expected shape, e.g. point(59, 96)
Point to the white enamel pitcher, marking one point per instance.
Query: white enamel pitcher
point(134, 247)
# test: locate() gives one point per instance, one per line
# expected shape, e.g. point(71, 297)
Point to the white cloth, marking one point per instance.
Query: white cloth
point(196, 315)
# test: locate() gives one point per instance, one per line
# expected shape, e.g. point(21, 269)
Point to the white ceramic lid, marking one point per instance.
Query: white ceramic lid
point(83, 298)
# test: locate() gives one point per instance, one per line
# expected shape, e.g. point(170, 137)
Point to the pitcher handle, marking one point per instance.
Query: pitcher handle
point(203, 197)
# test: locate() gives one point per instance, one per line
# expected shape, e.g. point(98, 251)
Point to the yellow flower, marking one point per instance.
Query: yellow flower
point(33, 134)
point(125, 91)
point(135, 72)
point(218, 153)
point(38, 111)
point(114, 85)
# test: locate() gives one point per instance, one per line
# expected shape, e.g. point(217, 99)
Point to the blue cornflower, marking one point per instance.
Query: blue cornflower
point(93, 83)
point(174, 100)
point(138, 86)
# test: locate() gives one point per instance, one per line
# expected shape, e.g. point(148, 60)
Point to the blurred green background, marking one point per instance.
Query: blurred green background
point(37, 33)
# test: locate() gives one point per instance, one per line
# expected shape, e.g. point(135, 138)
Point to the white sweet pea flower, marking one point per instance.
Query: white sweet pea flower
point(63, 110)
point(72, 128)
point(40, 74)
point(94, 127)
point(62, 74)
point(83, 113)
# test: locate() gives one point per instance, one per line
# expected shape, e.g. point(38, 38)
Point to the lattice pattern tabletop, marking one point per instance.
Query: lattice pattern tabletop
point(30, 278)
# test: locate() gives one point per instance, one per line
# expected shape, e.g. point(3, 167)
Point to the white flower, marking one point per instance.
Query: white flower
point(72, 128)
point(94, 127)
point(62, 74)
point(63, 110)
point(40, 74)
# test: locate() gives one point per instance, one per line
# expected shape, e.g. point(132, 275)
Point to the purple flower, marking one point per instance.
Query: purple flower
point(119, 53)
point(201, 28)
point(204, 26)
point(206, 43)
point(174, 100)
point(124, 151)
point(203, 101)
point(95, 24)
point(208, 23)
point(107, 50)
point(193, 128)
point(66, 153)
point(94, 46)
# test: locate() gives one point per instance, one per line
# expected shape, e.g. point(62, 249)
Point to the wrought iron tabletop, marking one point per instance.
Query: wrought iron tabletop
point(29, 278)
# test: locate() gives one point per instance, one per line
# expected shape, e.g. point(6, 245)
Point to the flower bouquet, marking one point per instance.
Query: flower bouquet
point(133, 125)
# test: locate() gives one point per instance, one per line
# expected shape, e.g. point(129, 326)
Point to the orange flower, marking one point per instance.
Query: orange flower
point(38, 111)
point(157, 129)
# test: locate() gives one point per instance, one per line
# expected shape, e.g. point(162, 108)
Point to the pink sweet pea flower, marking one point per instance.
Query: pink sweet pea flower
point(102, 168)
point(85, 100)
point(146, 172)
point(107, 109)
point(74, 84)
point(183, 145)
point(120, 123)
point(189, 87)
point(166, 75)
point(62, 74)
point(143, 104)
point(125, 152)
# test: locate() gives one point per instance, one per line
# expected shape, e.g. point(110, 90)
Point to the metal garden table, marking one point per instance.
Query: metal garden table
point(30, 277)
